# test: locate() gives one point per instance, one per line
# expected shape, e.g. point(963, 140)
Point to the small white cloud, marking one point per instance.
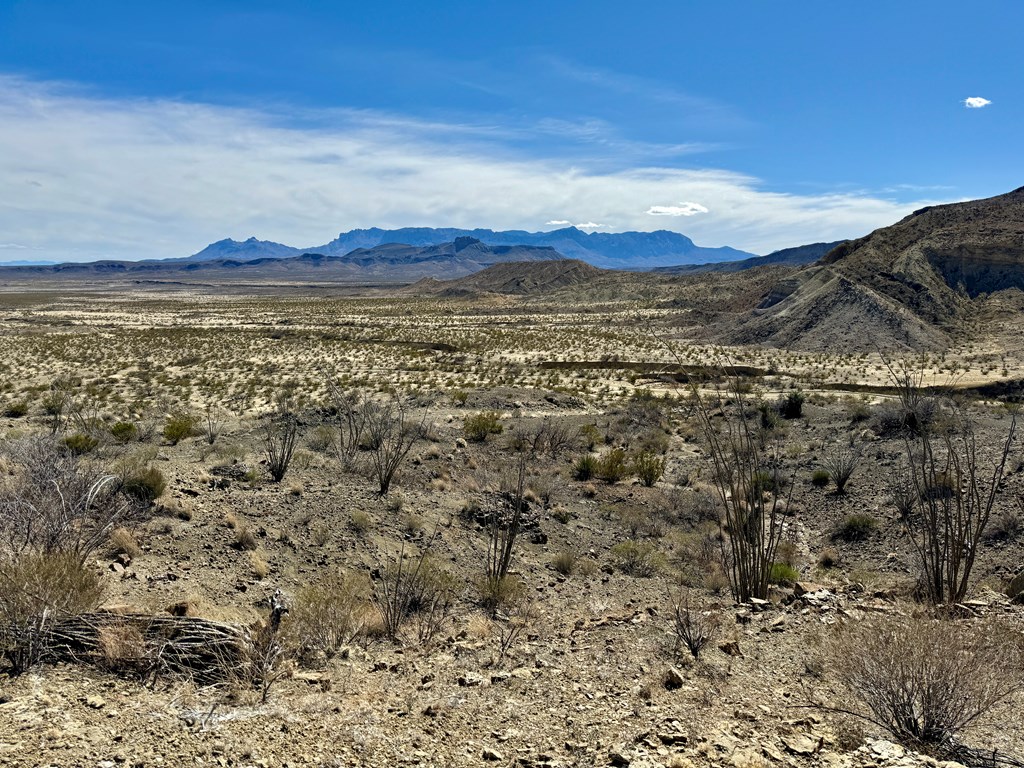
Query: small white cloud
point(590, 225)
point(976, 102)
point(14, 246)
point(558, 223)
point(683, 209)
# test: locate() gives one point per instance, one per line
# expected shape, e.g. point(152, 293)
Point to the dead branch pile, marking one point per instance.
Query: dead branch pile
point(151, 646)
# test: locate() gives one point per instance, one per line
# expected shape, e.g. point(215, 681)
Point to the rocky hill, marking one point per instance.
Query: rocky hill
point(915, 284)
point(798, 256)
point(518, 278)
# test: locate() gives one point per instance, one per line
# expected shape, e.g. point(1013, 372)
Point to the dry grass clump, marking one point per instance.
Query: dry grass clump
point(565, 562)
point(122, 648)
point(36, 589)
point(259, 565)
point(637, 558)
point(245, 539)
point(123, 542)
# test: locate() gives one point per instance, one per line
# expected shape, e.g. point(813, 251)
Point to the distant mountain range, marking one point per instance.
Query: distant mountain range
point(621, 250)
point(390, 262)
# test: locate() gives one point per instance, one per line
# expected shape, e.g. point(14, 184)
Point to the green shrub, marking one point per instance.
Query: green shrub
point(820, 478)
point(791, 406)
point(79, 443)
point(585, 467)
point(499, 593)
point(612, 466)
point(460, 396)
point(781, 573)
point(16, 410)
point(179, 426)
point(856, 527)
point(145, 484)
point(637, 558)
point(479, 426)
point(591, 436)
point(769, 417)
point(649, 467)
point(124, 431)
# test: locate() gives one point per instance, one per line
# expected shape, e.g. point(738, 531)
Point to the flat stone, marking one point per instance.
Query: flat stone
point(802, 588)
point(802, 745)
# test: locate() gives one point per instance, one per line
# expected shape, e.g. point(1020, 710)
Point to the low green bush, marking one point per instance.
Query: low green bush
point(856, 527)
point(480, 425)
point(784, 574)
point(637, 558)
point(585, 467)
point(649, 467)
point(79, 443)
point(145, 484)
point(16, 410)
point(180, 426)
point(612, 466)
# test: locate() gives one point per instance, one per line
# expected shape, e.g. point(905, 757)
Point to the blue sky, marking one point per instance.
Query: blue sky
point(139, 130)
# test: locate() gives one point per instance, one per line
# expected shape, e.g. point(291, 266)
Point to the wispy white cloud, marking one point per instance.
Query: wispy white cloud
point(590, 225)
point(13, 246)
point(683, 209)
point(976, 102)
point(86, 177)
point(558, 223)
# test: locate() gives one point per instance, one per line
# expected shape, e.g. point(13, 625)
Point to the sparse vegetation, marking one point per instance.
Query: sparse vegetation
point(926, 681)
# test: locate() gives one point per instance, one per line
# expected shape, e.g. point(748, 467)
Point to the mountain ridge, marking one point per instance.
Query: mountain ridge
point(616, 250)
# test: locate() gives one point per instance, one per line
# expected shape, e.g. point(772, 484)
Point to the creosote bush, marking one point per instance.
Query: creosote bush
point(791, 405)
point(479, 426)
point(16, 409)
point(79, 443)
point(612, 466)
point(179, 426)
point(649, 467)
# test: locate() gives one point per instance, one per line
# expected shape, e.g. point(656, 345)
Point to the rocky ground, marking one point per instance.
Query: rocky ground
point(586, 671)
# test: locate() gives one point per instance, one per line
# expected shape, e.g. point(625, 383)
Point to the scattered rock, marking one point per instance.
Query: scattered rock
point(673, 678)
point(730, 648)
point(492, 754)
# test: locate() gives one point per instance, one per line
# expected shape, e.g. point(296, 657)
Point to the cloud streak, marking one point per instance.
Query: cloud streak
point(976, 102)
point(83, 177)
